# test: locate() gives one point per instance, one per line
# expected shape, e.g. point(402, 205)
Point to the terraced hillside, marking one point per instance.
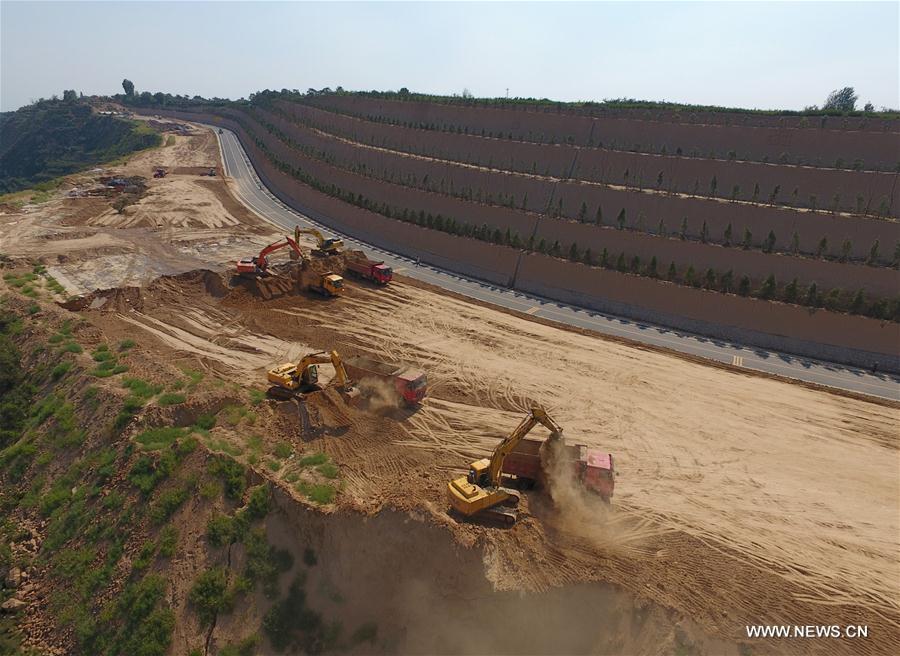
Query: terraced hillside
point(813, 226)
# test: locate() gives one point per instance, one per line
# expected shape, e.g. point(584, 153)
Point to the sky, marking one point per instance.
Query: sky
point(768, 55)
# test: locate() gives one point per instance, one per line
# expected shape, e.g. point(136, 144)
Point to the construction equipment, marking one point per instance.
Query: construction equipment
point(592, 469)
point(159, 173)
point(330, 246)
point(259, 264)
point(407, 384)
point(296, 378)
point(328, 284)
point(480, 494)
point(377, 272)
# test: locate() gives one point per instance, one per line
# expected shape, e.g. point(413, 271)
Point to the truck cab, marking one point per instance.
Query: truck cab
point(412, 386)
point(597, 472)
point(382, 273)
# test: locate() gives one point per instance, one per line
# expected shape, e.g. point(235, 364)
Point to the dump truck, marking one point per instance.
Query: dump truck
point(409, 384)
point(593, 469)
point(377, 272)
point(328, 284)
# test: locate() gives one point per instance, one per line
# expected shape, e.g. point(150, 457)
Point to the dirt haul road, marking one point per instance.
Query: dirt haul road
point(741, 500)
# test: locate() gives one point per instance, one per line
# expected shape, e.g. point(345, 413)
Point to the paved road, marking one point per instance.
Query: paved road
point(254, 194)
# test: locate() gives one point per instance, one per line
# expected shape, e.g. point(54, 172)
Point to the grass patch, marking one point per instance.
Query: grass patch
point(314, 459)
point(170, 398)
point(321, 493)
point(141, 388)
point(224, 446)
point(194, 376)
point(34, 308)
point(126, 344)
point(274, 465)
point(103, 354)
point(283, 450)
point(328, 470)
point(108, 370)
point(234, 414)
point(206, 422)
point(257, 396)
point(71, 347)
point(155, 439)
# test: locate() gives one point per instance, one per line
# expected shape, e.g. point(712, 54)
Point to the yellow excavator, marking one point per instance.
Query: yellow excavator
point(330, 246)
point(481, 494)
point(296, 378)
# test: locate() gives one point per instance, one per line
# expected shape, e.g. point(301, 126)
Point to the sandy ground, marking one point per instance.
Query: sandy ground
point(740, 500)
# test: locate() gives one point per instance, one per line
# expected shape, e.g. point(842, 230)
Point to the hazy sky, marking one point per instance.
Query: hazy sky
point(747, 54)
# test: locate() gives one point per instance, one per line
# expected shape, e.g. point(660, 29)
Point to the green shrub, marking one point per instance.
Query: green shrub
point(167, 503)
point(170, 398)
point(102, 354)
point(265, 563)
point(71, 347)
point(126, 344)
point(232, 474)
point(220, 530)
point(209, 595)
point(168, 541)
point(246, 647)
point(205, 422)
point(365, 633)
point(259, 504)
point(257, 396)
point(60, 370)
point(283, 450)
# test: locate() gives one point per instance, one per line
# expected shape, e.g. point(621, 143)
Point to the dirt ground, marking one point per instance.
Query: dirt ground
point(739, 500)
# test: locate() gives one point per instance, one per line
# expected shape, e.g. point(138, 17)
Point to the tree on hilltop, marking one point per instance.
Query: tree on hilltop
point(128, 85)
point(843, 100)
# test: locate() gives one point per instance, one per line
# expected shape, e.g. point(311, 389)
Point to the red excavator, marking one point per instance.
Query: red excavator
point(259, 265)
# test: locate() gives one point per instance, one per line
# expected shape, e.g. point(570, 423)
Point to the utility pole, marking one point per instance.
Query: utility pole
point(507, 93)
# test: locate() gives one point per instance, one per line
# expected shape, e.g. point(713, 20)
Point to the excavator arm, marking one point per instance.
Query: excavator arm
point(537, 415)
point(261, 262)
point(332, 245)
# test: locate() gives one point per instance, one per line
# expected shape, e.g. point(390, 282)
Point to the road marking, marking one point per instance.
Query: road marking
point(737, 361)
point(533, 310)
point(401, 270)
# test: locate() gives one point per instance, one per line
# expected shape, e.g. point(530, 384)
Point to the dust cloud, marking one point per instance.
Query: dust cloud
point(583, 514)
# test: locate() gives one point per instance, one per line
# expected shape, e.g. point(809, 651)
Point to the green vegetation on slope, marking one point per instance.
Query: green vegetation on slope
point(51, 138)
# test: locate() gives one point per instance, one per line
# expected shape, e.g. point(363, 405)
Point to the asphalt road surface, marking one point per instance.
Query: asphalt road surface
point(257, 197)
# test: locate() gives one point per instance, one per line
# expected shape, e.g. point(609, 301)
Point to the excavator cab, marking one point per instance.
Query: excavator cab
point(479, 472)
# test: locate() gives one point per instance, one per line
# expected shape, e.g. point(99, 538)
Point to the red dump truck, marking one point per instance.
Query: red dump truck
point(410, 385)
point(592, 467)
point(377, 272)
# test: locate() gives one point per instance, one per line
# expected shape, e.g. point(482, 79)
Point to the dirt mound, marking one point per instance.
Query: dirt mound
point(119, 299)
